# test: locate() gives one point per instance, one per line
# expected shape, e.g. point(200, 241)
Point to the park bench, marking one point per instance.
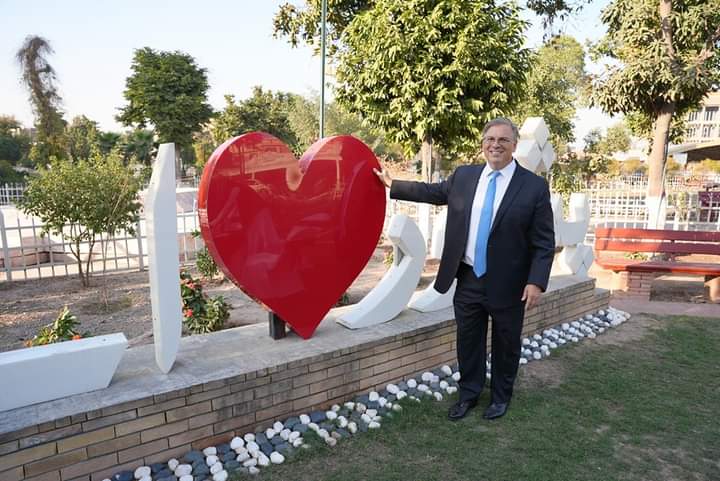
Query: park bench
point(635, 276)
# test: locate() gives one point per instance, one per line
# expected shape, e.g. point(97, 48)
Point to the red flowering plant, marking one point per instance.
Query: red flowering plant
point(62, 329)
point(200, 313)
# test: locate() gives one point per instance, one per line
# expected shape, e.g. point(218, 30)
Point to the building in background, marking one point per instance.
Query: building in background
point(703, 124)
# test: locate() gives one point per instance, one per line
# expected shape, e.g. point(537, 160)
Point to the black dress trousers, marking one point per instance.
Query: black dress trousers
point(472, 311)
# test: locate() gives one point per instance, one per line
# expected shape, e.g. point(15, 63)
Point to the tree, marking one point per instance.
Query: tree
point(572, 172)
point(107, 141)
point(665, 60)
point(617, 139)
point(304, 121)
point(82, 138)
point(555, 85)
point(138, 147)
point(39, 77)
point(433, 72)
point(169, 90)
point(89, 196)
point(302, 24)
point(14, 144)
point(264, 110)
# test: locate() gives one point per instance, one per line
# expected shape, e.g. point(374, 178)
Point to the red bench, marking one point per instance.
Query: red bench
point(636, 275)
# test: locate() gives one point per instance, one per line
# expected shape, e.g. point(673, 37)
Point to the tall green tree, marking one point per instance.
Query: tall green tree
point(264, 110)
point(555, 86)
point(168, 90)
point(40, 79)
point(82, 138)
point(138, 147)
point(664, 60)
point(107, 141)
point(433, 71)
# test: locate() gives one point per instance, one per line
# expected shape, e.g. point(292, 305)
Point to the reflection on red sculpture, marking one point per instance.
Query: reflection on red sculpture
point(292, 234)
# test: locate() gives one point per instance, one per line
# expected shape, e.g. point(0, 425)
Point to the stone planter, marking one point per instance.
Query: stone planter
point(53, 371)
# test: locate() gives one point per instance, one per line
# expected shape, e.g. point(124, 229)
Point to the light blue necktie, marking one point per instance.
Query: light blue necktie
point(480, 263)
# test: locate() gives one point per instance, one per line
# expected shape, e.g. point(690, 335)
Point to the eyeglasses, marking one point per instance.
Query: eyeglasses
point(500, 140)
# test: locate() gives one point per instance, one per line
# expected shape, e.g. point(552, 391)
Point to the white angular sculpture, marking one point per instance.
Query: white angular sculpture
point(572, 231)
point(548, 156)
point(536, 129)
point(163, 258)
point(42, 373)
point(528, 154)
point(429, 300)
point(438, 235)
point(393, 292)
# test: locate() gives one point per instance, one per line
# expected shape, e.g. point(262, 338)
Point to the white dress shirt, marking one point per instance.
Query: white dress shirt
point(501, 184)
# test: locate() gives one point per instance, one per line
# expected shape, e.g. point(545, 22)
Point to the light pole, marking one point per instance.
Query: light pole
point(323, 19)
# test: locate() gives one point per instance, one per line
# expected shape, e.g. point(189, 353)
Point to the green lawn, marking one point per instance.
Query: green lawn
point(639, 403)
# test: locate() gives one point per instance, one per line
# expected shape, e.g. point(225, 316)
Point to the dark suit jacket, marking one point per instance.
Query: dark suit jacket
point(521, 246)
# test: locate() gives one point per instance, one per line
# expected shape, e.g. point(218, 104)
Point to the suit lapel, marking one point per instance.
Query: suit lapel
point(515, 186)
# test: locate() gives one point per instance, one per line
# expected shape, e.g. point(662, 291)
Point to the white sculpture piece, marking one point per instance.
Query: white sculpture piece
point(429, 300)
point(576, 258)
point(163, 258)
point(393, 292)
point(43, 373)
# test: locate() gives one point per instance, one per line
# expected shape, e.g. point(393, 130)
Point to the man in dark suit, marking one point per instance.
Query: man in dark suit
point(499, 245)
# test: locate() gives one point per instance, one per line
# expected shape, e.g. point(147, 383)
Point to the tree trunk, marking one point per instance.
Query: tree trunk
point(658, 156)
point(426, 157)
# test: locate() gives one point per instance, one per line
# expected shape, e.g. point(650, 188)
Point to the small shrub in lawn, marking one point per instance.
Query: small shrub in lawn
point(201, 314)
point(62, 329)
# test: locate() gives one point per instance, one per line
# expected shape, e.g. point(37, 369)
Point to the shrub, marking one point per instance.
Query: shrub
point(206, 265)
point(63, 329)
point(200, 313)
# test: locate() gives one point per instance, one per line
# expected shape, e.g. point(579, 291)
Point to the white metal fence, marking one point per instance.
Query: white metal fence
point(26, 254)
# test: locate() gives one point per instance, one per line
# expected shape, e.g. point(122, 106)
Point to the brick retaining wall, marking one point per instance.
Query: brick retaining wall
point(62, 440)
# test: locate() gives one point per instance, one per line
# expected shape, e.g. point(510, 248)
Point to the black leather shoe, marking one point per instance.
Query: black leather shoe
point(460, 409)
point(495, 410)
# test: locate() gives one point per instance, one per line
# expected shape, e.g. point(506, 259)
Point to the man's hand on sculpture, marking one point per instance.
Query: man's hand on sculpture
point(531, 295)
point(384, 177)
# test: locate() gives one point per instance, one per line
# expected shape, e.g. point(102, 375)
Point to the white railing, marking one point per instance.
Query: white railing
point(10, 194)
point(26, 254)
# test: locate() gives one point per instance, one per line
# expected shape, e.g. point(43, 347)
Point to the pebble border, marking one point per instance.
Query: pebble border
point(249, 453)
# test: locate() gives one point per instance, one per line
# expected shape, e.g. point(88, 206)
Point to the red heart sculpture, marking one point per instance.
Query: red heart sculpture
point(292, 234)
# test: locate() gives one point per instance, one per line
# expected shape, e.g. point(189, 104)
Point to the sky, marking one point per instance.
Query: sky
point(94, 41)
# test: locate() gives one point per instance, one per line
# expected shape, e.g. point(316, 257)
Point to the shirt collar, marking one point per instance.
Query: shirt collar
point(505, 172)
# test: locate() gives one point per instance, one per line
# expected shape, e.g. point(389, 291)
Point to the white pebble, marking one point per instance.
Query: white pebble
point(349, 405)
point(392, 389)
point(456, 376)
point(427, 376)
point(221, 476)
point(237, 442)
point(352, 427)
point(146, 478)
point(253, 470)
point(331, 415)
point(270, 433)
point(263, 460)
point(142, 472)
point(366, 419)
point(323, 433)
point(210, 460)
point(412, 383)
point(371, 412)
point(304, 419)
point(242, 457)
point(250, 462)
point(374, 425)
point(313, 427)
point(342, 421)
point(451, 390)
point(373, 396)
point(211, 451)
point(360, 407)
point(182, 470)
point(523, 361)
point(293, 436)
point(335, 407)
point(249, 437)
point(330, 441)
point(400, 395)
point(537, 355)
point(382, 402)
point(297, 443)
point(278, 426)
point(216, 468)
point(447, 370)
point(285, 434)
point(397, 407)
point(173, 463)
point(253, 447)
point(438, 396)
point(277, 458)
point(422, 388)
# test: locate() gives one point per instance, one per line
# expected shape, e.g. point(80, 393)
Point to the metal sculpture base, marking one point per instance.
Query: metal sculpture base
point(277, 326)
